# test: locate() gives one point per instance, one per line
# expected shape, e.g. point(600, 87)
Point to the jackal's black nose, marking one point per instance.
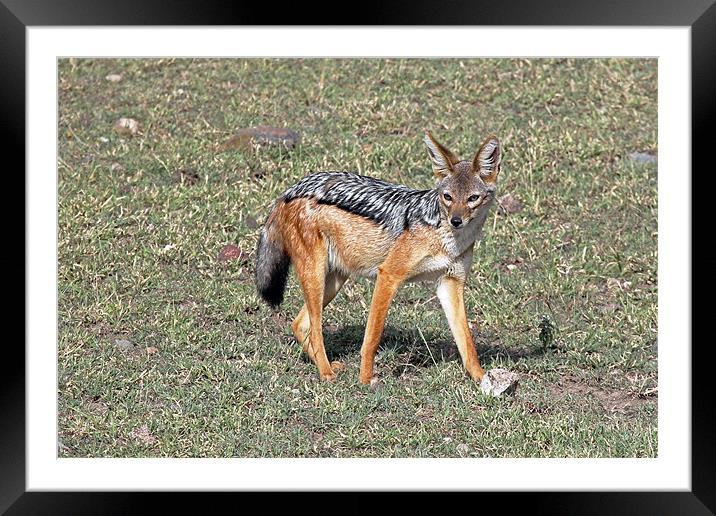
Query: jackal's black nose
point(456, 221)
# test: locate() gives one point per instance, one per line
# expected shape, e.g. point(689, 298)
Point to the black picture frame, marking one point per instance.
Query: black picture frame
point(699, 15)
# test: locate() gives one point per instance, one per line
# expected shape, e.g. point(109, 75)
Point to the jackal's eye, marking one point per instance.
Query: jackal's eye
point(473, 198)
point(447, 196)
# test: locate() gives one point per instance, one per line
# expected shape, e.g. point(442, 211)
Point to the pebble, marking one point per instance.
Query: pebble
point(126, 126)
point(230, 252)
point(497, 382)
point(643, 157)
point(124, 344)
point(508, 203)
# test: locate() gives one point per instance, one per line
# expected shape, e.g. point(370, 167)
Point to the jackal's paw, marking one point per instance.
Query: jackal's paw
point(329, 377)
point(477, 374)
point(337, 366)
point(372, 381)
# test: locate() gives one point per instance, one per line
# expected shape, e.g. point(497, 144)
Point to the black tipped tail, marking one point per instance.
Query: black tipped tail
point(272, 264)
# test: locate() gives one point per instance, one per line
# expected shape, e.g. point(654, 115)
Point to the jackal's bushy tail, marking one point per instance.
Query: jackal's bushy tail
point(272, 264)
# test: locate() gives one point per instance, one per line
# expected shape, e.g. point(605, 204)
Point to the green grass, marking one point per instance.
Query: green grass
point(215, 373)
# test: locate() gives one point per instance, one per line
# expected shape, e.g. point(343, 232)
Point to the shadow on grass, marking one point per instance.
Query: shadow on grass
point(491, 351)
point(403, 350)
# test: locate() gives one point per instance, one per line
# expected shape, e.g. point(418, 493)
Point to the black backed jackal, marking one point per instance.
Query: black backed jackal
point(332, 225)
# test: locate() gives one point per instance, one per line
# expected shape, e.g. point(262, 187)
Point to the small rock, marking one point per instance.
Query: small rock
point(643, 157)
point(509, 204)
point(116, 167)
point(510, 264)
point(251, 222)
point(114, 77)
point(462, 449)
point(261, 135)
point(230, 252)
point(143, 434)
point(151, 350)
point(124, 344)
point(126, 126)
point(497, 382)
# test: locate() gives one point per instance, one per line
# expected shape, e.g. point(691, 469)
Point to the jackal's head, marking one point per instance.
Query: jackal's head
point(464, 187)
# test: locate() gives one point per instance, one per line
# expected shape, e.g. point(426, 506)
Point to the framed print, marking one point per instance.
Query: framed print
point(163, 157)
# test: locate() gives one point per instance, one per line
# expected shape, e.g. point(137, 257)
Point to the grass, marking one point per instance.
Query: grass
point(212, 372)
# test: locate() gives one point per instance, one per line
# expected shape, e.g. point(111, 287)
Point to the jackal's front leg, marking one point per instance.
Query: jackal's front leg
point(451, 295)
point(385, 287)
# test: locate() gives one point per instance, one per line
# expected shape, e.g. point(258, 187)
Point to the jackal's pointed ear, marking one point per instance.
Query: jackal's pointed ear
point(441, 158)
point(487, 160)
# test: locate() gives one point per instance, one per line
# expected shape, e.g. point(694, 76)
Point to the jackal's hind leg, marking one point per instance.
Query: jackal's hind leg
point(301, 325)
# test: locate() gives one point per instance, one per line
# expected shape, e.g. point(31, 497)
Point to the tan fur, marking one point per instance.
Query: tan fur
point(320, 238)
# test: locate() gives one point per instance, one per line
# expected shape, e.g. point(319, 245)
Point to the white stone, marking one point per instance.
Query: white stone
point(497, 382)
